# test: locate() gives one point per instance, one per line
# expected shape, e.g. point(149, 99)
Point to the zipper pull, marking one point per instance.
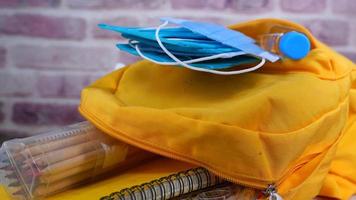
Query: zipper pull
point(271, 193)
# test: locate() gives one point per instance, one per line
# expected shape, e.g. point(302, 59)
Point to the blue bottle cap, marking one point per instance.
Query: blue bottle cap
point(294, 45)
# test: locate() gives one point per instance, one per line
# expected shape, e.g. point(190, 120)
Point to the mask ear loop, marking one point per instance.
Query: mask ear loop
point(259, 65)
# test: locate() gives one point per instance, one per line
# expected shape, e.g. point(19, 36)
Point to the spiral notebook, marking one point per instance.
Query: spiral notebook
point(192, 184)
point(169, 187)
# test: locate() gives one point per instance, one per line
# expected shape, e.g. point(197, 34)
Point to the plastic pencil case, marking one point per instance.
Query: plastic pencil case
point(48, 163)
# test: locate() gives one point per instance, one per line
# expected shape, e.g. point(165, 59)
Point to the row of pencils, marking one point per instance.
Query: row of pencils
point(50, 163)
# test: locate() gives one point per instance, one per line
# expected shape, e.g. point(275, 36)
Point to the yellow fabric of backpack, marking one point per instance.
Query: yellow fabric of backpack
point(290, 124)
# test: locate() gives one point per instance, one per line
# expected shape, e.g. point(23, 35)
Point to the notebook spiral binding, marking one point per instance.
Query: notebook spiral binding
point(168, 187)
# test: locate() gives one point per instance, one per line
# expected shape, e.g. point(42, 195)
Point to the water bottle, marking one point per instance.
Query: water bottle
point(285, 42)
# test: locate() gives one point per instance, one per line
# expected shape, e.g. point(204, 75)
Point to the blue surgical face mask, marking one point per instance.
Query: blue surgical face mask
point(225, 36)
point(163, 59)
point(177, 51)
point(141, 34)
point(173, 32)
point(177, 47)
point(193, 45)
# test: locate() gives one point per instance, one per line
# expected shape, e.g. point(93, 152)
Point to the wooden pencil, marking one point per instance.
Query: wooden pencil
point(50, 178)
point(64, 154)
point(69, 163)
point(118, 166)
point(45, 189)
point(58, 144)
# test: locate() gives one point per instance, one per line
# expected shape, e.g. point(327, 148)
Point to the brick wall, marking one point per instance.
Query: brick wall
point(51, 49)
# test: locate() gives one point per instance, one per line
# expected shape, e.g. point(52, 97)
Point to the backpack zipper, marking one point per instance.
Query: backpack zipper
point(272, 193)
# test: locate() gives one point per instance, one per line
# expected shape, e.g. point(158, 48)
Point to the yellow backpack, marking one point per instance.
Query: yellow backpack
point(289, 124)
